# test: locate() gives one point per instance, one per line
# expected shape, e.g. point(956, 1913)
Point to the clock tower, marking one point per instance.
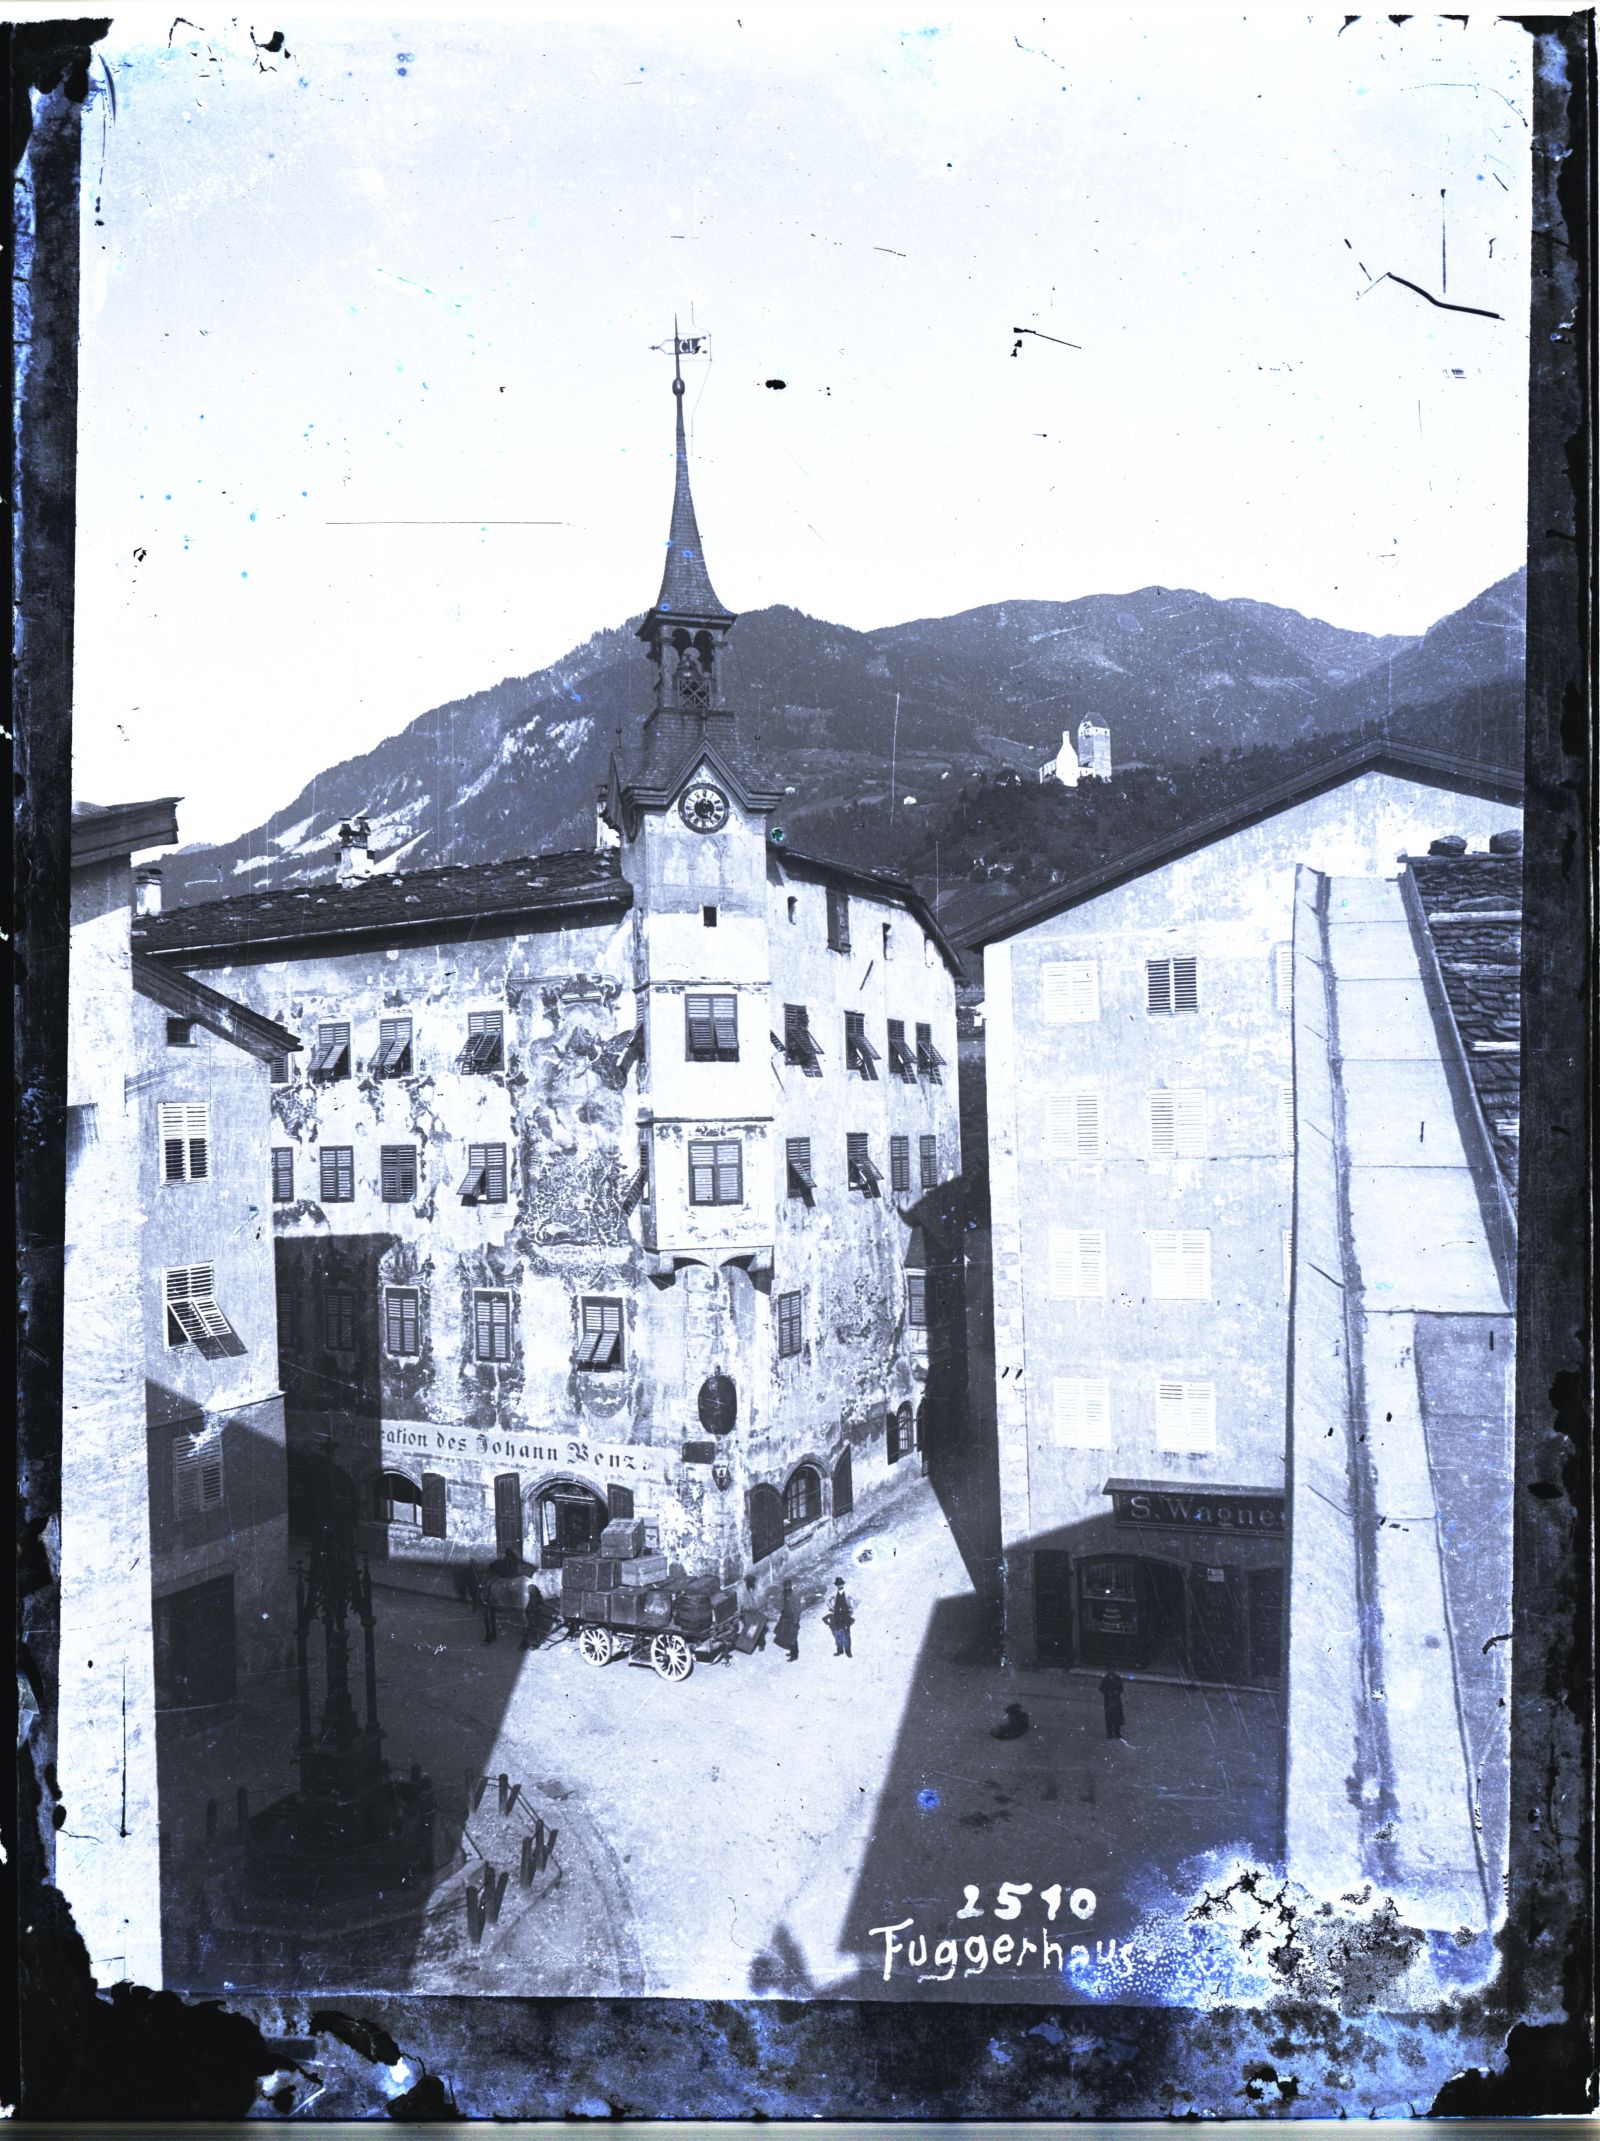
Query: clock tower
point(692, 810)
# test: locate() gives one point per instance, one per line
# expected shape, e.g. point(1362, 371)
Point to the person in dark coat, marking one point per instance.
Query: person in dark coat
point(535, 1619)
point(1111, 1695)
point(1016, 1722)
point(491, 1607)
point(786, 1629)
point(840, 1619)
point(752, 1621)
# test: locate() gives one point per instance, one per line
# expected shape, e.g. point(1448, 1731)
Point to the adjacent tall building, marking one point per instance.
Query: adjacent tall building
point(598, 1190)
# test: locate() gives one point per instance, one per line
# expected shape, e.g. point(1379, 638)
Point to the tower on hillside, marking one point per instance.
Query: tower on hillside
point(1094, 752)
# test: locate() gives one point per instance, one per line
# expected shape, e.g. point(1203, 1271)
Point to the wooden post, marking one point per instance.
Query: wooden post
point(494, 1888)
point(474, 1914)
point(526, 1870)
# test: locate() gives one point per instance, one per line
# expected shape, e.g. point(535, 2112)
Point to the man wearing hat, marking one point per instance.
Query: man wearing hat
point(840, 1618)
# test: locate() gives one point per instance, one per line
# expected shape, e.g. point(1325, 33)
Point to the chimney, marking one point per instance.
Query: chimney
point(355, 859)
point(605, 834)
point(147, 889)
point(1448, 844)
point(1508, 842)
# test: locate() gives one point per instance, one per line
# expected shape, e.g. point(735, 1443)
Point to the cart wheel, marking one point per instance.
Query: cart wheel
point(672, 1657)
point(595, 1643)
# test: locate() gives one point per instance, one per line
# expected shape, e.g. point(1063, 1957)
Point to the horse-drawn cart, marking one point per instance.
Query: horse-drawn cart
point(665, 1623)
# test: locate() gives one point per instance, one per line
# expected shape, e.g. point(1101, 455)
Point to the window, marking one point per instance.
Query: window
point(838, 919)
point(799, 1046)
point(1070, 990)
point(193, 1317)
point(434, 1504)
point(1081, 1412)
point(802, 1498)
point(1180, 1265)
point(860, 1171)
point(928, 1153)
point(1286, 1114)
point(712, 1024)
point(901, 1061)
point(398, 1166)
point(929, 1060)
point(1072, 1126)
point(917, 1300)
point(181, 1032)
point(485, 1040)
point(1186, 1417)
point(281, 1067)
point(197, 1482)
point(708, 916)
point(1077, 1262)
point(402, 1321)
point(485, 1179)
point(900, 1434)
point(789, 1323)
point(1177, 1122)
point(766, 1522)
point(491, 1326)
point(716, 1171)
point(1170, 986)
point(332, 1056)
point(859, 1053)
point(393, 1059)
point(900, 1163)
point(619, 1504)
point(338, 1174)
point(1283, 976)
point(283, 1174)
point(395, 1500)
point(600, 1337)
point(288, 1319)
point(802, 1183)
point(185, 1132)
point(339, 1319)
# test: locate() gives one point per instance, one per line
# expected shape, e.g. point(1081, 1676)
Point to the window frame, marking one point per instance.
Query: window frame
point(861, 1170)
point(900, 1166)
point(789, 1310)
point(717, 1164)
point(806, 1514)
point(838, 904)
point(1062, 1001)
point(394, 1052)
point(397, 1164)
point(1179, 979)
point(1180, 1263)
point(198, 1463)
point(183, 1138)
point(1085, 1247)
point(1083, 1421)
point(1190, 1122)
point(384, 1503)
point(859, 1053)
point(799, 1042)
point(478, 1057)
point(282, 1174)
point(711, 1033)
point(928, 1159)
point(599, 1349)
point(798, 1171)
point(929, 1061)
point(485, 1317)
point(487, 1177)
point(189, 1307)
point(331, 1060)
point(395, 1318)
point(1186, 1416)
point(902, 1059)
point(338, 1320)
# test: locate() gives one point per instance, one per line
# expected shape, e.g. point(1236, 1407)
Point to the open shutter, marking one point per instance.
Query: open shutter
point(844, 1492)
point(433, 1505)
point(766, 1522)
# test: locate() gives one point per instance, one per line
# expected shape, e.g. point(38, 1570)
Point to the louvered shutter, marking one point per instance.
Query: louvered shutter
point(1077, 1262)
point(1158, 985)
point(1286, 1114)
point(844, 1493)
point(1190, 1125)
point(184, 1128)
point(730, 1174)
point(900, 1163)
point(1283, 975)
point(1163, 1124)
point(1070, 990)
point(1186, 1417)
point(1185, 985)
point(1180, 1265)
point(1081, 1412)
point(508, 1513)
point(702, 1173)
point(433, 1505)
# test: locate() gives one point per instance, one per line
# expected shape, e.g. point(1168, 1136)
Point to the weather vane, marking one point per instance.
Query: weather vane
point(684, 345)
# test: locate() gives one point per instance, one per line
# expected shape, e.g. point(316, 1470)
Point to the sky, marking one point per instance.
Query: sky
point(372, 412)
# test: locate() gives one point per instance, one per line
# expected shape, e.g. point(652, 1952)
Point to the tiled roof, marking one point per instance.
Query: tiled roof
point(1473, 908)
point(475, 897)
point(109, 832)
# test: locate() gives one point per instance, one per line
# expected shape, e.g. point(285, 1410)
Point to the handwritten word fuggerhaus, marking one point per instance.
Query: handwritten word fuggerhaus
point(978, 1951)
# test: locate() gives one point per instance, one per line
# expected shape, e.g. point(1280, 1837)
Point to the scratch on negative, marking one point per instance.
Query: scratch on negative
point(1478, 312)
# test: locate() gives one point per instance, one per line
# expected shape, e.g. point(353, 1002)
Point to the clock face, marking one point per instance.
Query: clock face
point(704, 809)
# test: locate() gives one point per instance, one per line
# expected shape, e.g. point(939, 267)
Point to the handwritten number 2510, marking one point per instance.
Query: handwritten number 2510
point(1008, 1900)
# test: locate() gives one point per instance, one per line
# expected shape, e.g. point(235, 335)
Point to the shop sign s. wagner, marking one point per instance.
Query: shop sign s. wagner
point(1176, 1509)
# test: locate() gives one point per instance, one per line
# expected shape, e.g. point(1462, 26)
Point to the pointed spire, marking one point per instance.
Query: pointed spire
point(686, 590)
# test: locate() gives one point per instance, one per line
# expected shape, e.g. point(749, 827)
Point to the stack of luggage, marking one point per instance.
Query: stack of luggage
point(626, 1587)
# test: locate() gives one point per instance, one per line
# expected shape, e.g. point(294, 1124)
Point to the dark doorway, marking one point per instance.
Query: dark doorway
point(1217, 1644)
point(1052, 1606)
point(766, 1522)
point(195, 1650)
point(844, 1492)
point(571, 1520)
point(1163, 1649)
point(1266, 1626)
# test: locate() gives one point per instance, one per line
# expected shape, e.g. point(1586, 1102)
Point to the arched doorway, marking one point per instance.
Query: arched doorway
point(568, 1519)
